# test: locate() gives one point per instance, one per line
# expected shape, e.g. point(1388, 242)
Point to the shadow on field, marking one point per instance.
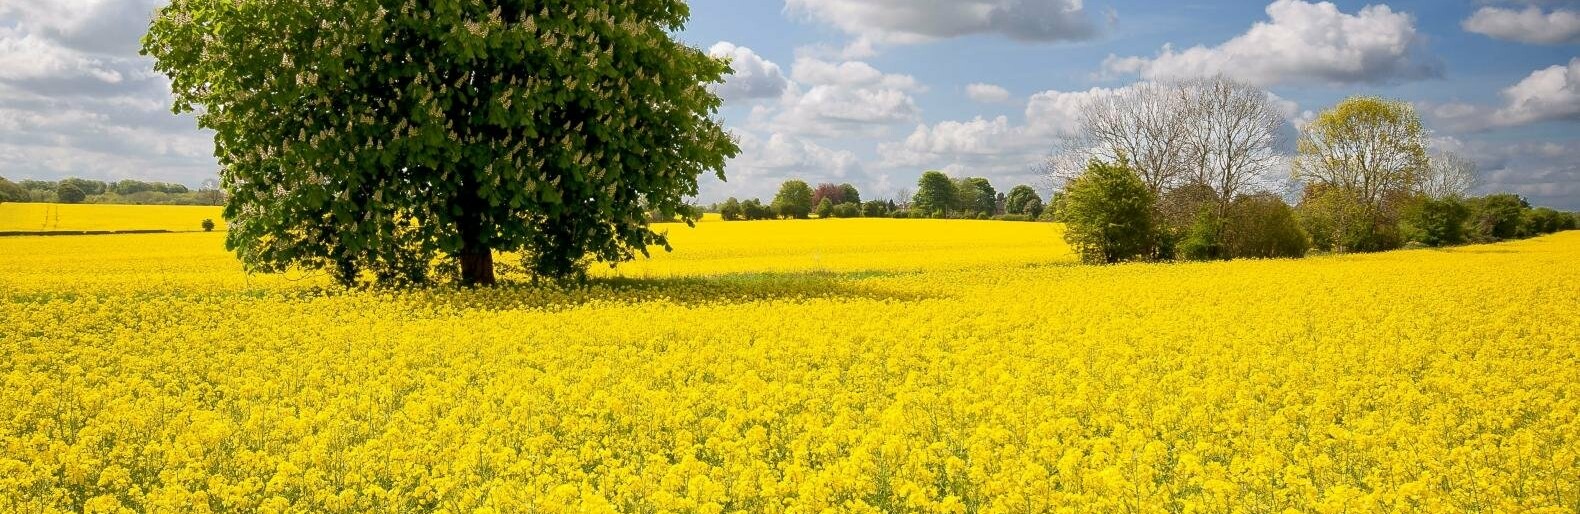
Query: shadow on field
point(686, 291)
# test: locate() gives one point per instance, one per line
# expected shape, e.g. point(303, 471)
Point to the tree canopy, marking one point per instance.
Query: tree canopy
point(935, 193)
point(370, 136)
point(794, 200)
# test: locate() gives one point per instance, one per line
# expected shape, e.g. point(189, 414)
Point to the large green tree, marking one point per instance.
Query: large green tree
point(794, 200)
point(935, 193)
point(1018, 198)
point(1108, 213)
point(371, 136)
point(1367, 154)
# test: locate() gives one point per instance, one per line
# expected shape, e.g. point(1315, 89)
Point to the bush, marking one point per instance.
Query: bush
point(825, 209)
point(1434, 222)
point(1109, 213)
point(731, 210)
point(1015, 217)
point(900, 214)
point(11, 192)
point(1263, 227)
point(847, 210)
point(1497, 217)
point(1339, 223)
point(1200, 241)
point(754, 210)
point(70, 193)
point(875, 209)
point(208, 225)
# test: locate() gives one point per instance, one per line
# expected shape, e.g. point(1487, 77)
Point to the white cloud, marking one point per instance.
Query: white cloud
point(987, 93)
point(753, 78)
point(1300, 43)
point(1529, 25)
point(1545, 172)
point(913, 21)
point(837, 99)
point(766, 160)
point(1548, 94)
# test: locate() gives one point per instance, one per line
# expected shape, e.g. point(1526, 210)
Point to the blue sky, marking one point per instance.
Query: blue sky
point(873, 92)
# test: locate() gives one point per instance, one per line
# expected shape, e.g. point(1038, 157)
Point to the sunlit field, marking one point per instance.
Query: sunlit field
point(798, 366)
point(50, 217)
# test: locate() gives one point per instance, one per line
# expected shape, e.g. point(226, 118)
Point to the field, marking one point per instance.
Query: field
point(51, 217)
point(839, 365)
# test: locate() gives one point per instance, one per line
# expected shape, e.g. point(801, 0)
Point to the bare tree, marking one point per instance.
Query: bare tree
point(1232, 138)
point(1449, 175)
point(1143, 124)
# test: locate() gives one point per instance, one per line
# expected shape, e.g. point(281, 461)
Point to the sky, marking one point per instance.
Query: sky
point(873, 92)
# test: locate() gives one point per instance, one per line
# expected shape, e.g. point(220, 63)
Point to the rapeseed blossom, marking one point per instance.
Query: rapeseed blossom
point(149, 374)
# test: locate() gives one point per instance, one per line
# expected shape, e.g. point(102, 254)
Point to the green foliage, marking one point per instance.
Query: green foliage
point(1033, 208)
point(731, 210)
point(1435, 222)
point(1108, 210)
point(1542, 220)
point(825, 208)
point(794, 200)
point(849, 194)
point(975, 195)
point(1263, 226)
point(900, 214)
point(70, 193)
point(875, 209)
point(1015, 202)
point(847, 210)
point(1497, 217)
point(753, 210)
point(1365, 157)
point(1201, 240)
point(208, 225)
point(935, 193)
point(1339, 222)
point(11, 192)
point(368, 137)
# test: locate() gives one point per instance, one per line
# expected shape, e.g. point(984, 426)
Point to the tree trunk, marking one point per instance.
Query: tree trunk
point(477, 268)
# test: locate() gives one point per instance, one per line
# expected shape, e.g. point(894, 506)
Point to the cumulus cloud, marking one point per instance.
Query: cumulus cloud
point(913, 21)
point(1548, 94)
point(986, 93)
point(765, 160)
point(1545, 172)
point(1530, 25)
point(833, 99)
point(1300, 42)
point(754, 77)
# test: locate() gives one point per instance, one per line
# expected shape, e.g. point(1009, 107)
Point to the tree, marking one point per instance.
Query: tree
point(207, 225)
point(754, 210)
point(875, 209)
point(1448, 175)
point(1230, 143)
point(794, 200)
point(846, 210)
point(11, 192)
point(1370, 151)
point(975, 195)
point(365, 135)
point(1263, 226)
point(849, 194)
point(831, 192)
point(1497, 217)
point(1019, 196)
point(731, 210)
point(1541, 221)
point(825, 209)
point(1033, 208)
point(1108, 210)
point(69, 193)
point(1435, 221)
point(935, 193)
point(1145, 124)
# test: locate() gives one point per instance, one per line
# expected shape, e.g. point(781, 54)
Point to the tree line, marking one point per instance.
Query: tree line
point(937, 196)
point(1189, 170)
point(135, 192)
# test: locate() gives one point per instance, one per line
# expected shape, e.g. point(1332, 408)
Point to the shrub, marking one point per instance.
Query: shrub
point(755, 210)
point(899, 214)
point(825, 209)
point(731, 210)
point(1262, 226)
point(1109, 213)
point(1434, 222)
point(70, 193)
point(1015, 217)
point(1542, 220)
point(1200, 241)
point(1496, 217)
point(208, 225)
point(875, 209)
point(847, 210)
point(11, 192)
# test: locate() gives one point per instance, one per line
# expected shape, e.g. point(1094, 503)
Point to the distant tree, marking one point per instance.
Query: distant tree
point(1371, 152)
point(1033, 208)
point(1435, 221)
point(825, 208)
point(1497, 217)
point(88, 187)
point(129, 187)
point(831, 192)
point(935, 193)
point(69, 193)
point(875, 209)
point(731, 210)
point(1108, 210)
point(975, 195)
point(208, 225)
point(1541, 221)
point(849, 194)
point(1448, 175)
point(12, 192)
point(1015, 202)
point(364, 135)
point(754, 209)
point(846, 210)
point(794, 200)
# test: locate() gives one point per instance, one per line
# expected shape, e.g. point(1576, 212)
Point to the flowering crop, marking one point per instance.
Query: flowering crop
point(147, 373)
point(48, 217)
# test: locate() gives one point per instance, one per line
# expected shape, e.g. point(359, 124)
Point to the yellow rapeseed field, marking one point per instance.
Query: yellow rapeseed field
point(817, 366)
point(50, 217)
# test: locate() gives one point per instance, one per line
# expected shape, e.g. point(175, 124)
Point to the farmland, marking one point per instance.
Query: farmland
point(796, 366)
